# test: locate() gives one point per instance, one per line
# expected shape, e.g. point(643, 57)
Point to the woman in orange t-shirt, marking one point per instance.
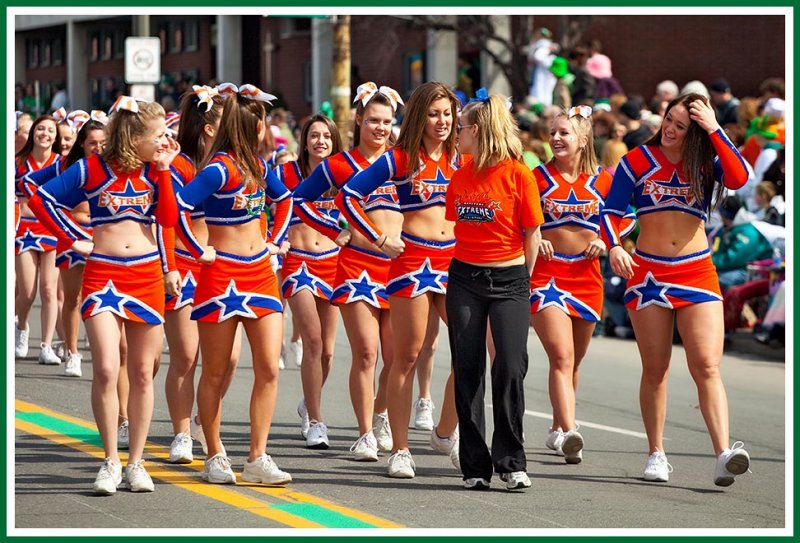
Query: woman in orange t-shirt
point(495, 204)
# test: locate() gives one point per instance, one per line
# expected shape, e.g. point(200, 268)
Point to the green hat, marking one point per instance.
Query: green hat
point(559, 67)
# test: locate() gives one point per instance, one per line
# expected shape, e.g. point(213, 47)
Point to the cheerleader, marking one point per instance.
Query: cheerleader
point(673, 177)
point(566, 285)
point(236, 283)
point(127, 185)
point(90, 139)
point(197, 124)
point(362, 270)
point(420, 166)
point(309, 270)
point(35, 245)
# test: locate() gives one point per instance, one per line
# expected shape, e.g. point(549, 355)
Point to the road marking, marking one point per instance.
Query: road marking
point(300, 510)
point(585, 424)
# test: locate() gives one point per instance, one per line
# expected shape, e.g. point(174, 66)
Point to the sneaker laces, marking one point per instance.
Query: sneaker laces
point(107, 469)
point(363, 438)
point(136, 468)
point(399, 455)
point(660, 459)
point(221, 462)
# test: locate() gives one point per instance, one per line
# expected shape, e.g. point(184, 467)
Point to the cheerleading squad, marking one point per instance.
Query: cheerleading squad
point(193, 234)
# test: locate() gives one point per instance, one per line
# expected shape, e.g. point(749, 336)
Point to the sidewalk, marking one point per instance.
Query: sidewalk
point(743, 342)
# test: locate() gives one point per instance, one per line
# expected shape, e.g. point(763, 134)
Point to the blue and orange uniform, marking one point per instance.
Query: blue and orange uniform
point(233, 285)
point(422, 267)
point(130, 287)
point(572, 283)
point(308, 270)
point(182, 172)
point(31, 234)
point(361, 274)
point(656, 185)
point(66, 258)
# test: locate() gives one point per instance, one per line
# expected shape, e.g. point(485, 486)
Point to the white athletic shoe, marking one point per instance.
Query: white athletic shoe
point(21, 342)
point(294, 354)
point(60, 348)
point(555, 437)
point(196, 431)
point(572, 447)
point(365, 449)
point(476, 483)
point(423, 414)
point(217, 470)
point(73, 366)
point(264, 470)
point(382, 431)
point(137, 478)
point(317, 437)
point(303, 413)
point(657, 468)
point(401, 465)
point(122, 435)
point(108, 478)
point(447, 445)
point(516, 480)
point(47, 356)
point(281, 363)
point(180, 450)
point(730, 463)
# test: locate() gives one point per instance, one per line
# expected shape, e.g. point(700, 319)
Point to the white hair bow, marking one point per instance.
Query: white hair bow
point(205, 95)
point(366, 91)
point(582, 111)
point(247, 90)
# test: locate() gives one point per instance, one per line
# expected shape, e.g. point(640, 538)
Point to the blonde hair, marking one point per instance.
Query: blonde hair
point(587, 162)
point(123, 130)
point(416, 117)
point(498, 132)
point(767, 190)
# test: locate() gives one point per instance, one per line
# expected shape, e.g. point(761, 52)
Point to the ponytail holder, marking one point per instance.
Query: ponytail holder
point(581, 111)
point(366, 91)
point(482, 96)
point(126, 103)
point(205, 95)
point(248, 91)
point(60, 115)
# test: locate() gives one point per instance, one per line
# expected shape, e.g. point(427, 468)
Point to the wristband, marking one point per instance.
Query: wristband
point(385, 237)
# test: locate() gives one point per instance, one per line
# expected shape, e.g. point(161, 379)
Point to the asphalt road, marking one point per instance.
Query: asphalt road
point(56, 457)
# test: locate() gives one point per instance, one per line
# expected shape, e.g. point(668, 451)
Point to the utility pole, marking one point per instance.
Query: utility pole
point(340, 80)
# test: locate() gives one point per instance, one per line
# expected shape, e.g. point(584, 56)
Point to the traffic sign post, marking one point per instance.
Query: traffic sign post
point(142, 60)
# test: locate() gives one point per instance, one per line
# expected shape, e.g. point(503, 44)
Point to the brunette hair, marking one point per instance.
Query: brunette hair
point(416, 116)
point(27, 149)
point(697, 154)
point(336, 141)
point(77, 153)
point(194, 117)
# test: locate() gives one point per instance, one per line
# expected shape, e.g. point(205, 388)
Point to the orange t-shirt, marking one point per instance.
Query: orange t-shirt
point(491, 209)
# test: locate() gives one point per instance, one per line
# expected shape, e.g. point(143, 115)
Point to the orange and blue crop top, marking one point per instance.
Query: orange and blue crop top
point(415, 190)
point(227, 200)
point(657, 184)
point(291, 176)
point(335, 172)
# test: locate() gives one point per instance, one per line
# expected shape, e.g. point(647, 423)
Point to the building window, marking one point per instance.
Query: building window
point(46, 49)
point(58, 52)
point(108, 45)
point(163, 35)
point(294, 25)
point(308, 90)
point(176, 37)
point(94, 47)
point(191, 32)
point(33, 54)
point(119, 43)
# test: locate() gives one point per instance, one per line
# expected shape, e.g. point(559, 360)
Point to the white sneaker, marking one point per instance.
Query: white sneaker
point(730, 463)
point(382, 431)
point(21, 342)
point(555, 437)
point(317, 437)
point(423, 414)
point(73, 366)
point(47, 356)
point(572, 447)
point(217, 470)
point(180, 451)
point(294, 354)
point(476, 483)
point(196, 431)
point(365, 449)
point(447, 445)
point(281, 363)
point(86, 344)
point(657, 468)
point(122, 435)
point(137, 478)
point(515, 480)
point(60, 348)
point(401, 465)
point(108, 478)
point(264, 470)
point(303, 413)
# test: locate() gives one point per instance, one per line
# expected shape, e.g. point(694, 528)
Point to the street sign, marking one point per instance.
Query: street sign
point(142, 60)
